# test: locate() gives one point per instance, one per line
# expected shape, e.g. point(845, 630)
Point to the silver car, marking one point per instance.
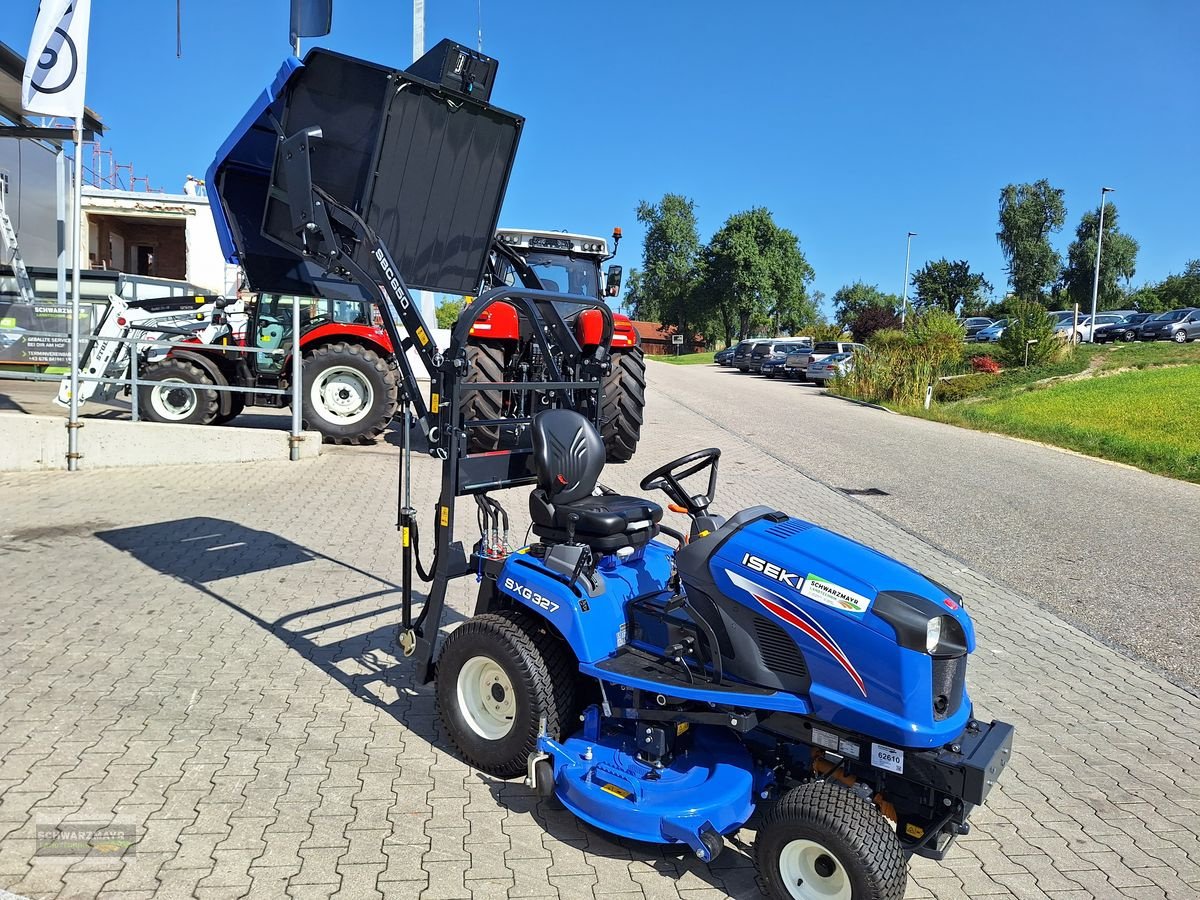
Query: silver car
point(992, 333)
point(830, 368)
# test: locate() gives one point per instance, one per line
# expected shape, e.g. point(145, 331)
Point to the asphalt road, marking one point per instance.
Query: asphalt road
point(1113, 549)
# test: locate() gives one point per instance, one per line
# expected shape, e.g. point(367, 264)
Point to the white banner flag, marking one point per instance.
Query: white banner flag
point(56, 68)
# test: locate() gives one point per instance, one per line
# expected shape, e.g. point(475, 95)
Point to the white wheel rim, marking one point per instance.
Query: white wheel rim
point(341, 395)
point(486, 698)
point(811, 872)
point(173, 399)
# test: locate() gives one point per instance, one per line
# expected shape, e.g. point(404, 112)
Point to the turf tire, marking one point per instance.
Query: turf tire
point(543, 674)
point(624, 404)
point(382, 376)
point(850, 829)
point(207, 405)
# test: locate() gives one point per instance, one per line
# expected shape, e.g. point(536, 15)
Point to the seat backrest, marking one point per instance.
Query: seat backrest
point(568, 454)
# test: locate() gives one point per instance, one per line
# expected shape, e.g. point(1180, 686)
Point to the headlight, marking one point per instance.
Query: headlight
point(933, 634)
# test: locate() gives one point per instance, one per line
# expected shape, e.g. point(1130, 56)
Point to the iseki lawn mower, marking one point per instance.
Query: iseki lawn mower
point(664, 686)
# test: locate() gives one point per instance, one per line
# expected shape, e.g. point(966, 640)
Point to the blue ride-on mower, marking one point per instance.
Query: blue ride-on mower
point(664, 686)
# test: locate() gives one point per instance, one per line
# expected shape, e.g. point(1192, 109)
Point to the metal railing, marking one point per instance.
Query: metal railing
point(135, 381)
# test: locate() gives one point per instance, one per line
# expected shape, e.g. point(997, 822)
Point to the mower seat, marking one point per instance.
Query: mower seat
point(568, 456)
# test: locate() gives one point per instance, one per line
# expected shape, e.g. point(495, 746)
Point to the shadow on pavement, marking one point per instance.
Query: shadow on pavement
point(351, 638)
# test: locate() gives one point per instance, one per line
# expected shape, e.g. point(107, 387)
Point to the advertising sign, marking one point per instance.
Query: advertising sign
point(39, 334)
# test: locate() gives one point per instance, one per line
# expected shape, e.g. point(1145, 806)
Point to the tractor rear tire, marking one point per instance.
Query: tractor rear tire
point(499, 677)
point(624, 404)
point(350, 393)
point(485, 362)
point(179, 405)
point(821, 839)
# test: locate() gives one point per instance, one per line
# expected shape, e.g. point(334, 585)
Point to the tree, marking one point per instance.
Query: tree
point(754, 274)
point(872, 319)
point(664, 288)
point(447, 311)
point(1176, 291)
point(948, 285)
point(1146, 299)
point(1029, 214)
point(1118, 257)
point(852, 299)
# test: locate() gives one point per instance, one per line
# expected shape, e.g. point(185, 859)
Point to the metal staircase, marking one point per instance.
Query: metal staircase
point(8, 244)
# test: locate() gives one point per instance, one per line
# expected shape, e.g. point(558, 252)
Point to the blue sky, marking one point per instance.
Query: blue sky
point(853, 122)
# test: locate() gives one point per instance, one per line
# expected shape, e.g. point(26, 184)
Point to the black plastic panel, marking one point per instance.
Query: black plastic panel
point(426, 168)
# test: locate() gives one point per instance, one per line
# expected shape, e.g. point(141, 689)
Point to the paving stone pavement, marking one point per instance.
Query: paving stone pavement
point(206, 654)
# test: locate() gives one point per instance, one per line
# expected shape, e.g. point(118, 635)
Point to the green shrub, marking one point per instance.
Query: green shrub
point(1028, 321)
point(964, 386)
point(900, 365)
point(824, 331)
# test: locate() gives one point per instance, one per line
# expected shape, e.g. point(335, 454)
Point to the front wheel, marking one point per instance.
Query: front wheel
point(350, 393)
point(1180, 337)
point(822, 842)
point(178, 396)
point(624, 404)
point(485, 362)
point(500, 676)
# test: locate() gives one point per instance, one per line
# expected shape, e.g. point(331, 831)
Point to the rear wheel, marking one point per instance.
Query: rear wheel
point(819, 382)
point(350, 393)
point(500, 676)
point(485, 362)
point(179, 396)
point(237, 404)
point(822, 842)
point(624, 404)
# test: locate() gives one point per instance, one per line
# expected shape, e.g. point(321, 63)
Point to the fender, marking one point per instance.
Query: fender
point(375, 338)
point(593, 626)
point(209, 365)
point(499, 322)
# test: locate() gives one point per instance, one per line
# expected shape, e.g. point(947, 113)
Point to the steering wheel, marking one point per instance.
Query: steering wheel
point(667, 479)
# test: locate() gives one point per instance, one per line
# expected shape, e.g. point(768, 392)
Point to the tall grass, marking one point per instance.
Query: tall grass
point(898, 366)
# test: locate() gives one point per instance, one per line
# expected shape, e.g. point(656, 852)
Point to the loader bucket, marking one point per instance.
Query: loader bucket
point(426, 167)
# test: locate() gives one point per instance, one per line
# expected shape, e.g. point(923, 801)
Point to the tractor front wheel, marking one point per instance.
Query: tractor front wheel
point(822, 841)
point(350, 393)
point(485, 362)
point(499, 677)
point(178, 394)
point(624, 404)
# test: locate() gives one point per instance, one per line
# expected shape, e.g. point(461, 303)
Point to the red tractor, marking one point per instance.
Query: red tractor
point(502, 349)
point(351, 380)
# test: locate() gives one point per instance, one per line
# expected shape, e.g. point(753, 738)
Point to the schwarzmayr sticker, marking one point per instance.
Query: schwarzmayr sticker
point(823, 591)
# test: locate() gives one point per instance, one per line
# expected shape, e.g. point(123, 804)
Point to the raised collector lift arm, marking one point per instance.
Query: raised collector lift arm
point(314, 189)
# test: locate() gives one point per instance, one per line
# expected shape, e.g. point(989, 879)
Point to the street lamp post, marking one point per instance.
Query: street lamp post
point(907, 256)
point(1096, 277)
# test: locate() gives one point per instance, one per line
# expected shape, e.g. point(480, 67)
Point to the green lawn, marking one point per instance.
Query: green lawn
point(685, 359)
point(1149, 419)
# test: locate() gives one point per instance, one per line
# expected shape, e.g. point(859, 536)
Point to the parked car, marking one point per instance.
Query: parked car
point(992, 333)
point(741, 355)
point(829, 368)
point(1179, 325)
point(1124, 330)
point(797, 364)
point(974, 325)
point(772, 362)
point(724, 357)
point(1083, 330)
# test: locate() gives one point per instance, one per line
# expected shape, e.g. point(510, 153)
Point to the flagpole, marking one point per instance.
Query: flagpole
point(73, 425)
